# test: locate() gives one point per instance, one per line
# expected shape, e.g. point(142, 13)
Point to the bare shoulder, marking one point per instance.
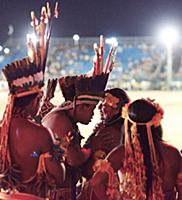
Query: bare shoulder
point(169, 149)
point(57, 122)
point(30, 133)
point(116, 157)
point(53, 116)
point(27, 128)
point(171, 153)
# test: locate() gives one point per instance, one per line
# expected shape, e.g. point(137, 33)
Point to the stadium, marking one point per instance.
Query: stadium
point(110, 128)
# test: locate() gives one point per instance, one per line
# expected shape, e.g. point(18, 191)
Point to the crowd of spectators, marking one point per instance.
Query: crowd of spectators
point(140, 64)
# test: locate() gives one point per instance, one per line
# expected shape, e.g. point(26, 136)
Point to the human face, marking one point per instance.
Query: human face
point(109, 107)
point(85, 113)
point(107, 112)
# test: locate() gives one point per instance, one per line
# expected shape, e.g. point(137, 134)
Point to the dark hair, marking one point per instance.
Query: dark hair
point(120, 94)
point(24, 101)
point(142, 111)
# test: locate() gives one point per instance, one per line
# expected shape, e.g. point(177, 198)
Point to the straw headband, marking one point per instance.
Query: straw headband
point(134, 158)
point(110, 100)
point(78, 101)
point(89, 98)
point(155, 121)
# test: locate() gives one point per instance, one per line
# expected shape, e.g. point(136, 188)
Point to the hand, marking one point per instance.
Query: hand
point(75, 155)
point(74, 138)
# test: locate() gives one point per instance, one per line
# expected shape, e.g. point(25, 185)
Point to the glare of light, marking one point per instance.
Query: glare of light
point(76, 37)
point(32, 38)
point(6, 50)
point(112, 41)
point(169, 35)
point(1, 48)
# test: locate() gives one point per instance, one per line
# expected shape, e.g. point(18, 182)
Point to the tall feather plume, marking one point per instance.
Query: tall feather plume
point(38, 50)
point(98, 62)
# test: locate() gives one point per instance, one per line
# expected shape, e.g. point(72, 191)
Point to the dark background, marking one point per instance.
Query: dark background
point(93, 17)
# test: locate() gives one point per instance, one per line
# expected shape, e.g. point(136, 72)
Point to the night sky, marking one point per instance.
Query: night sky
point(94, 17)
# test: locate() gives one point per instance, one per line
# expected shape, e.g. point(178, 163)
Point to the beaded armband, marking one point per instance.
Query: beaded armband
point(57, 152)
point(99, 154)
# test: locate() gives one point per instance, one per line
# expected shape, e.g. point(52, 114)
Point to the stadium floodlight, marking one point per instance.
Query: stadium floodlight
point(169, 36)
point(6, 50)
point(76, 38)
point(112, 41)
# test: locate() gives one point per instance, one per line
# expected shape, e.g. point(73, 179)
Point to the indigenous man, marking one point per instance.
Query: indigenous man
point(29, 162)
point(109, 129)
point(80, 102)
point(81, 93)
point(26, 162)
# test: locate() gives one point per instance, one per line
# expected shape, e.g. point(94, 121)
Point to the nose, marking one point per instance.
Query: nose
point(92, 113)
point(104, 109)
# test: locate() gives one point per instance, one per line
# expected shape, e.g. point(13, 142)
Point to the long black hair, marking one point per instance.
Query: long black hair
point(142, 111)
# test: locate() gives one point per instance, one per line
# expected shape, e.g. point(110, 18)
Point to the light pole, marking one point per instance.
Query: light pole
point(169, 66)
point(169, 36)
point(76, 39)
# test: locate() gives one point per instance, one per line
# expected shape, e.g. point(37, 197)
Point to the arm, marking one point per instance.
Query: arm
point(116, 157)
point(179, 181)
point(98, 183)
point(104, 176)
point(76, 155)
point(101, 144)
point(61, 126)
point(54, 167)
point(80, 155)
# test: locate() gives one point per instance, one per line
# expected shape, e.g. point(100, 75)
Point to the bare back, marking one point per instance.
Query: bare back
point(170, 167)
point(58, 122)
point(60, 125)
point(28, 141)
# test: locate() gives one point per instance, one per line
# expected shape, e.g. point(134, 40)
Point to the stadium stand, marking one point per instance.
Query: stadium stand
point(140, 63)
